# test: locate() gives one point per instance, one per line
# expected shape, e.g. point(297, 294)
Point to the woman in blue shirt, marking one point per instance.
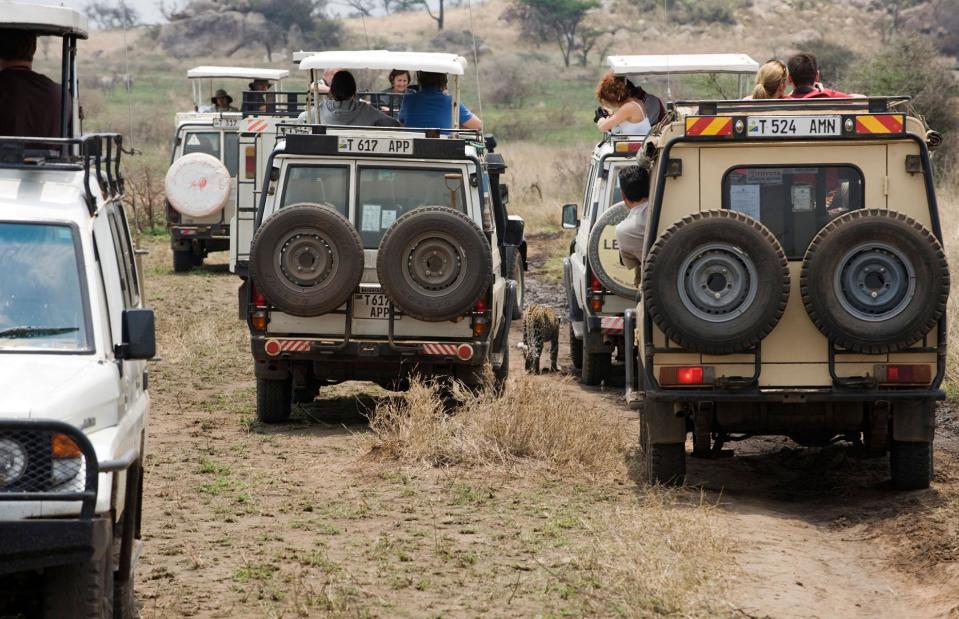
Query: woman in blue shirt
point(431, 107)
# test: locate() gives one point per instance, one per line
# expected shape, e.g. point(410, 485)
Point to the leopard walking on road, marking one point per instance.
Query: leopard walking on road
point(540, 324)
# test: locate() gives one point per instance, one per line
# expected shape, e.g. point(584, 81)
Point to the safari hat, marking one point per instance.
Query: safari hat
point(221, 93)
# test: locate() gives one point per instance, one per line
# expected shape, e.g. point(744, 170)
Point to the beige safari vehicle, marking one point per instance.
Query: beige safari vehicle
point(201, 183)
point(378, 253)
point(599, 288)
point(794, 282)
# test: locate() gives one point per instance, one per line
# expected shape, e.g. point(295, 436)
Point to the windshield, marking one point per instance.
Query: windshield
point(42, 305)
point(385, 194)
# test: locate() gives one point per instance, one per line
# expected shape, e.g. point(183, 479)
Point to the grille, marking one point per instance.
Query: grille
point(38, 460)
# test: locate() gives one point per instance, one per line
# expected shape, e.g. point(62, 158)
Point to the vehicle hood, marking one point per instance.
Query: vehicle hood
point(77, 389)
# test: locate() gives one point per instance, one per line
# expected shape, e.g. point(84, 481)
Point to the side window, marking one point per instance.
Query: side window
point(587, 207)
point(793, 202)
point(231, 152)
point(124, 252)
point(202, 142)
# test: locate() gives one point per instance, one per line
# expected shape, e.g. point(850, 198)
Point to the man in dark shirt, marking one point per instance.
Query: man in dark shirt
point(29, 101)
point(804, 75)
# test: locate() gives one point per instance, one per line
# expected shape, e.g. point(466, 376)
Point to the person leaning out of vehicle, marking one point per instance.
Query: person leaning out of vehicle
point(342, 108)
point(624, 111)
point(430, 107)
point(631, 232)
point(804, 76)
point(29, 101)
point(771, 80)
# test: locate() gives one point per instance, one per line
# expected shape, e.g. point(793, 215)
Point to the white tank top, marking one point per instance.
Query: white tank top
point(630, 128)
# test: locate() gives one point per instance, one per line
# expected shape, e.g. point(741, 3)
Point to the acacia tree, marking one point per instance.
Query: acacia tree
point(557, 20)
point(112, 15)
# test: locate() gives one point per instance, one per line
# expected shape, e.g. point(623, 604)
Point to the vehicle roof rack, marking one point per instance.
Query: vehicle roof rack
point(44, 20)
point(874, 105)
point(679, 64)
point(96, 153)
point(472, 135)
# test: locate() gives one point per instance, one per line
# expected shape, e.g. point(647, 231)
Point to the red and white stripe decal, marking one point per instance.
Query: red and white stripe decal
point(611, 325)
point(275, 347)
point(448, 350)
point(256, 126)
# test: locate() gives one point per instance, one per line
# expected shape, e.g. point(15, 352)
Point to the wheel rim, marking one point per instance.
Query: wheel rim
point(875, 281)
point(717, 282)
point(435, 264)
point(307, 258)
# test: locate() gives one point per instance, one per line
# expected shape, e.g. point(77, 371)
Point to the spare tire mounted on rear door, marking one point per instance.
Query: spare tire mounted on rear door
point(434, 263)
point(716, 282)
point(306, 259)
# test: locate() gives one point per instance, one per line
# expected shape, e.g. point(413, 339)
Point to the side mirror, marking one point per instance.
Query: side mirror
point(139, 335)
point(515, 226)
point(570, 218)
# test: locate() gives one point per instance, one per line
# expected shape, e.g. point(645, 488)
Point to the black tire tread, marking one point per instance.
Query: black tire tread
point(910, 465)
point(83, 590)
point(182, 261)
point(575, 349)
point(906, 339)
point(659, 313)
point(666, 465)
point(274, 400)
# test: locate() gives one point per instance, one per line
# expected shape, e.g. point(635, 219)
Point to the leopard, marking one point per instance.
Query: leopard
point(540, 325)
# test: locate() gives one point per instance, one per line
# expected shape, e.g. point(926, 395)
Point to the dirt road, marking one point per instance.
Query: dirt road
point(298, 519)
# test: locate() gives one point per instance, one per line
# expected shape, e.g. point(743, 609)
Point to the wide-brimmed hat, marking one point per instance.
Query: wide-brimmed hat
point(221, 93)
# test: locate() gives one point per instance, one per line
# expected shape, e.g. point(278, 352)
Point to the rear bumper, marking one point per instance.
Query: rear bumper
point(42, 543)
point(793, 396)
point(200, 232)
point(365, 352)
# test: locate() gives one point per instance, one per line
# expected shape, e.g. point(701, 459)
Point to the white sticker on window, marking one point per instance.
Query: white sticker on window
point(193, 141)
point(745, 199)
point(371, 218)
point(802, 197)
point(388, 217)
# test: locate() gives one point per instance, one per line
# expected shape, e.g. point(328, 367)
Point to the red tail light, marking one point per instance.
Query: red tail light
point(250, 162)
point(904, 373)
point(480, 307)
point(258, 299)
point(595, 285)
point(596, 294)
point(686, 375)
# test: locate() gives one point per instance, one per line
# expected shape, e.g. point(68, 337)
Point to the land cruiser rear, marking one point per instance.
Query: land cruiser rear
point(794, 282)
point(377, 255)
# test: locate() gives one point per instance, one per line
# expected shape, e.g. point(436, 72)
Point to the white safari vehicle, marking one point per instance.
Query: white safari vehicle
point(202, 179)
point(378, 253)
point(598, 287)
point(74, 340)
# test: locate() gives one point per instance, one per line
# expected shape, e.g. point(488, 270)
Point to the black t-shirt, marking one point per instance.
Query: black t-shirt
point(29, 104)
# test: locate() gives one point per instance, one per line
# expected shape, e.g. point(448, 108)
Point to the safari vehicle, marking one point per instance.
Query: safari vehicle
point(794, 282)
point(598, 287)
point(378, 252)
point(73, 343)
point(205, 146)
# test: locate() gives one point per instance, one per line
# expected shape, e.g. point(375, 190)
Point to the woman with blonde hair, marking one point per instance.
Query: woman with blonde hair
point(622, 112)
point(770, 81)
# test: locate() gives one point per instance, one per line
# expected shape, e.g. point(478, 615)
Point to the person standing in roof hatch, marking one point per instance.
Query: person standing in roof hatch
point(29, 101)
point(342, 108)
point(222, 101)
point(431, 107)
point(631, 232)
point(804, 76)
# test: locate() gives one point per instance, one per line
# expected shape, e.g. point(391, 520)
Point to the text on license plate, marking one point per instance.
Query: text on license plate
point(372, 306)
point(381, 146)
point(774, 126)
point(226, 123)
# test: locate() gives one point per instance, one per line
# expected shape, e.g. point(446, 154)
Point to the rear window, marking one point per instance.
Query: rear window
point(327, 185)
point(793, 202)
point(385, 194)
point(207, 142)
point(231, 152)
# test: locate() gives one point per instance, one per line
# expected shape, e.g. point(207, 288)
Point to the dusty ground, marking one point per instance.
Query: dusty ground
point(298, 520)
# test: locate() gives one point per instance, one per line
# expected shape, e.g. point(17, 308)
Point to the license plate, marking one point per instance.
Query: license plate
point(377, 146)
point(372, 306)
point(788, 126)
point(226, 123)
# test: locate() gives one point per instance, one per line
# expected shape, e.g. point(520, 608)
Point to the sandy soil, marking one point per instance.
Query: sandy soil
point(297, 520)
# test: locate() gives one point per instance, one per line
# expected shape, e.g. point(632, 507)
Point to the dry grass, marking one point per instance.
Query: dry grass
point(948, 198)
point(532, 423)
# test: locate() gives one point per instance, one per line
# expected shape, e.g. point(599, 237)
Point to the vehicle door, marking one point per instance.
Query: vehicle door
point(578, 259)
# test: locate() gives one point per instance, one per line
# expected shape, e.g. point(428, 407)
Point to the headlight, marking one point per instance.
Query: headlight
point(13, 461)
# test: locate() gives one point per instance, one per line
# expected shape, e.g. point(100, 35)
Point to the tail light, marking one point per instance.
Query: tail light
point(596, 293)
point(250, 162)
point(687, 375)
point(903, 374)
point(260, 316)
point(258, 299)
point(481, 319)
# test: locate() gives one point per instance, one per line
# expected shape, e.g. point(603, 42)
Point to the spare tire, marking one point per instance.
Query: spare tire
point(875, 281)
point(197, 185)
point(602, 251)
point(716, 282)
point(306, 259)
point(434, 263)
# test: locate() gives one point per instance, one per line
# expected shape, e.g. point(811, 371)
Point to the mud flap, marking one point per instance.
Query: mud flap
point(664, 422)
point(914, 421)
point(272, 370)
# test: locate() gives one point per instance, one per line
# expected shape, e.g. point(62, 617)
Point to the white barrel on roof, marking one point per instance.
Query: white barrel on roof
point(197, 185)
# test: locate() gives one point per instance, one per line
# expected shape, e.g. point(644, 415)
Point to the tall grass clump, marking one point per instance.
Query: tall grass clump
point(533, 423)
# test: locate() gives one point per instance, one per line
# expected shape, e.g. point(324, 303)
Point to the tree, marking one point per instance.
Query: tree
point(439, 16)
point(362, 7)
point(112, 15)
point(891, 10)
point(557, 20)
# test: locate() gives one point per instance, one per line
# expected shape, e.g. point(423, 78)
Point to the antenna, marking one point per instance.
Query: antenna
point(669, 89)
point(479, 92)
